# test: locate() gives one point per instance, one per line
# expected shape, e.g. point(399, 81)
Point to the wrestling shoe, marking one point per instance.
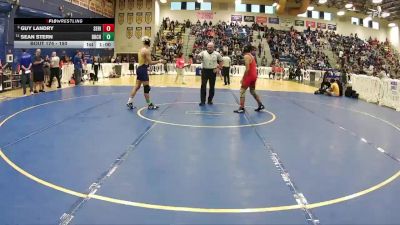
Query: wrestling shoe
point(152, 107)
point(130, 105)
point(240, 110)
point(260, 107)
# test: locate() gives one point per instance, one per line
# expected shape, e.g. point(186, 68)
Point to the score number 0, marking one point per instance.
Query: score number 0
point(108, 27)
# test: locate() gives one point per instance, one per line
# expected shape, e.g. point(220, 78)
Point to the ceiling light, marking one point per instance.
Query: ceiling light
point(377, 1)
point(310, 8)
point(348, 5)
point(275, 4)
point(199, 1)
point(392, 25)
point(385, 14)
point(163, 1)
point(238, 1)
point(322, 1)
point(340, 13)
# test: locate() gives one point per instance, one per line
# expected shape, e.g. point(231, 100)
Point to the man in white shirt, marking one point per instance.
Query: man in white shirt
point(211, 65)
point(54, 69)
point(340, 54)
point(226, 66)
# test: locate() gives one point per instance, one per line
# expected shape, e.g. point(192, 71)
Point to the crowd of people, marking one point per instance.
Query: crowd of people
point(370, 57)
point(168, 42)
point(38, 70)
point(228, 38)
point(289, 48)
point(303, 49)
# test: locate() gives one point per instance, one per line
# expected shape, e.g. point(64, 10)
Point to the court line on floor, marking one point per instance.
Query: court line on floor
point(67, 217)
point(51, 125)
point(205, 126)
point(299, 197)
point(182, 208)
point(352, 133)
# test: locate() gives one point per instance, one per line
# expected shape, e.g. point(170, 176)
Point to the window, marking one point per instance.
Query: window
point(269, 9)
point(367, 22)
point(327, 16)
point(190, 6)
point(315, 14)
point(255, 8)
point(205, 6)
point(240, 7)
point(303, 15)
point(355, 21)
point(375, 25)
point(176, 5)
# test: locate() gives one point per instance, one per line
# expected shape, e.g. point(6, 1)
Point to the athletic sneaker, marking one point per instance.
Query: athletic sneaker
point(130, 105)
point(202, 104)
point(240, 110)
point(152, 107)
point(260, 107)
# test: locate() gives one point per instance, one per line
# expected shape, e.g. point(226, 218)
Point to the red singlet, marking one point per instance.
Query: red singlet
point(251, 77)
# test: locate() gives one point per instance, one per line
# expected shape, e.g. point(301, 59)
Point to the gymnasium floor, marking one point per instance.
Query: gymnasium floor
point(79, 156)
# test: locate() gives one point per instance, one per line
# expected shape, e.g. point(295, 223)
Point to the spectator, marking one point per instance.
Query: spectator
point(26, 65)
point(38, 72)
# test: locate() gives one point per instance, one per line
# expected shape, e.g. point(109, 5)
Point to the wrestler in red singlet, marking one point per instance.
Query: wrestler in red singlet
point(249, 79)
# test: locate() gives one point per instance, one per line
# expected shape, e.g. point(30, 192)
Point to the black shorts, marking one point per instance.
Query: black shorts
point(142, 73)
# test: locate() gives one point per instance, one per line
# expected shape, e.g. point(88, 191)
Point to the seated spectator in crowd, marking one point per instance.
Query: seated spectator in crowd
point(325, 85)
point(333, 90)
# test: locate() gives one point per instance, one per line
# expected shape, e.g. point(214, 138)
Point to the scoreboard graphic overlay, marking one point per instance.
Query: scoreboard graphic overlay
point(64, 33)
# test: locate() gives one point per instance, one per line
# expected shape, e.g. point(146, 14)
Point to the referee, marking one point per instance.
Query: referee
point(211, 64)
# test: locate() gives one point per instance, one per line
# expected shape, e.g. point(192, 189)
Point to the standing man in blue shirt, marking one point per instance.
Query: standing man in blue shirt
point(25, 63)
point(78, 67)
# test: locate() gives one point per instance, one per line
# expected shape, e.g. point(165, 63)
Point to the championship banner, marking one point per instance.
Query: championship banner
point(121, 18)
point(139, 17)
point(331, 27)
point(121, 4)
point(147, 31)
point(149, 4)
point(83, 3)
point(205, 15)
point(129, 32)
point(130, 18)
point(131, 4)
point(108, 8)
point(261, 19)
point(148, 18)
point(310, 24)
point(138, 32)
point(139, 4)
point(286, 22)
point(249, 19)
point(299, 23)
point(321, 25)
point(236, 18)
point(273, 20)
